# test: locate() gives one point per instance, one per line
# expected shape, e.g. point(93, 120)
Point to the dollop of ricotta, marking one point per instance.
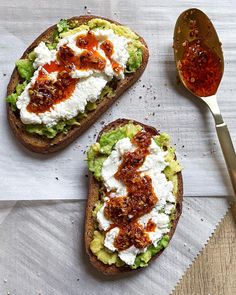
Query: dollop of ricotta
point(43, 55)
point(153, 166)
point(88, 88)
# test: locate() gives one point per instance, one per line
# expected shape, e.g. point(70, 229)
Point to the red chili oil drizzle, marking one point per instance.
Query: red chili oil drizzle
point(140, 200)
point(108, 47)
point(85, 61)
point(151, 226)
point(45, 92)
point(201, 69)
point(87, 41)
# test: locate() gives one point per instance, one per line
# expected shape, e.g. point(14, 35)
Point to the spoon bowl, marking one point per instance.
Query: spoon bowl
point(200, 64)
point(193, 24)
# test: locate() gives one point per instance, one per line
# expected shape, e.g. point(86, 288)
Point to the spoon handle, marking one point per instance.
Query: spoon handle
point(224, 138)
point(228, 151)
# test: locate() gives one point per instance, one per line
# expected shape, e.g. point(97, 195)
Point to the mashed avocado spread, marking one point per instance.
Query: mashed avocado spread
point(64, 28)
point(96, 155)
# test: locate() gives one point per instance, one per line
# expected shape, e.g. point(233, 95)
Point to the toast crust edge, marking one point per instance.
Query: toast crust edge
point(39, 144)
point(93, 196)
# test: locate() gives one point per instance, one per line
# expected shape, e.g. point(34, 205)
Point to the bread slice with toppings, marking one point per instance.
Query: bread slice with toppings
point(129, 222)
point(35, 111)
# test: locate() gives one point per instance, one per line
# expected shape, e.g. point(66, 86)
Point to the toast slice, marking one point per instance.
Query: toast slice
point(93, 197)
point(40, 144)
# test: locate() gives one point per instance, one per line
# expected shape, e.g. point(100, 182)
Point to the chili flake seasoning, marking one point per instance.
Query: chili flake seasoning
point(200, 68)
point(141, 198)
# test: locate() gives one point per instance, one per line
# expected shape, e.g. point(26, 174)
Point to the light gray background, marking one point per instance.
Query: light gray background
point(41, 245)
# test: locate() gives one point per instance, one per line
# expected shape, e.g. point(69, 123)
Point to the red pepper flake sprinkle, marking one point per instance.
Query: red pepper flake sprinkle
point(200, 69)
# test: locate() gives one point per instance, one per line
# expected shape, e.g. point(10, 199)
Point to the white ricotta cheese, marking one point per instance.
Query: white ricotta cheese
point(120, 53)
point(161, 220)
point(43, 55)
point(81, 74)
point(119, 42)
point(103, 222)
point(155, 160)
point(153, 166)
point(129, 255)
point(87, 89)
point(111, 165)
point(110, 238)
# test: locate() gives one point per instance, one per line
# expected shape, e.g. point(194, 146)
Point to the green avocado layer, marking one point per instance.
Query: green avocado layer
point(96, 155)
point(65, 126)
point(65, 28)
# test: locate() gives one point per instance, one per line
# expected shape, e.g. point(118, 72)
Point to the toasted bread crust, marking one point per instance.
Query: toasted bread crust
point(93, 196)
point(39, 144)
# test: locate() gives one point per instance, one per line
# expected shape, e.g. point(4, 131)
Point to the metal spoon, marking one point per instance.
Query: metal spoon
point(193, 25)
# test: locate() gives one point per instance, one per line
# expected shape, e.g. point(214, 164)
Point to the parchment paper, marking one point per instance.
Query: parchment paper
point(41, 245)
point(156, 99)
point(42, 251)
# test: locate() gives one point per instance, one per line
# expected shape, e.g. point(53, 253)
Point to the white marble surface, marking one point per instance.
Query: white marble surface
point(41, 245)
